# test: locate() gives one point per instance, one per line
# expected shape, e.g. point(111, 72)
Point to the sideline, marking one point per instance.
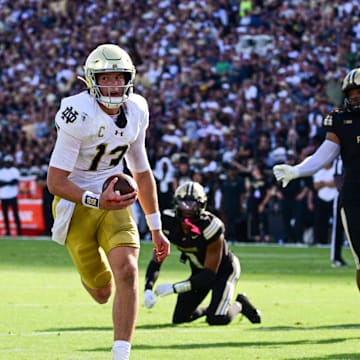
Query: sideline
point(231, 243)
point(17, 238)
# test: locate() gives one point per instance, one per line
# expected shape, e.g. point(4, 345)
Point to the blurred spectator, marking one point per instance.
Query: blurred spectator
point(164, 176)
point(9, 189)
point(183, 172)
point(325, 193)
point(208, 68)
point(47, 199)
point(259, 193)
point(293, 206)
point(232, 205)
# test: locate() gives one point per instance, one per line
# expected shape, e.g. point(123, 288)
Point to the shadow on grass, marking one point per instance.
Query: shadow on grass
point(101, 328)
point(331, 357)
point(233, 344)
point(301, 327)
point(75, 329)
point(170, 326)
point(238, 344)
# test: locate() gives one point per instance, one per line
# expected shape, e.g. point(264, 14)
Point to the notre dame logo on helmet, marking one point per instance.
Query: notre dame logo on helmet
point(69, 114)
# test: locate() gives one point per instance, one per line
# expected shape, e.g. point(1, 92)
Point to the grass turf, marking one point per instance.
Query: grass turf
point(309, 310)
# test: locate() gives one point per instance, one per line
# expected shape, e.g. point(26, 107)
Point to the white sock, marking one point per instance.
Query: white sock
point(121, 350)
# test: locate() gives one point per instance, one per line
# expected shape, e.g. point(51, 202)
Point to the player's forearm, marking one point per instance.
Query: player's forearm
point(60, 185)
point(324, 155)
point(202, 280)
point(147, 194)
point(152, 274)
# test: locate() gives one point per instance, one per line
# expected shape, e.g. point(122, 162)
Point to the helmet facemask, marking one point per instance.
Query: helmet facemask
point(102, 93)
point(352, 82)
point(188, 208)
point(190, 200)
point(352, 102)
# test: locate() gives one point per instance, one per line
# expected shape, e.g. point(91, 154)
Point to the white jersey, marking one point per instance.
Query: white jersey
point(92, 147)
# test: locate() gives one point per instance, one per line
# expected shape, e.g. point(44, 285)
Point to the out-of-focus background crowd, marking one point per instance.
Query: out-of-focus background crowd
point(233, 88)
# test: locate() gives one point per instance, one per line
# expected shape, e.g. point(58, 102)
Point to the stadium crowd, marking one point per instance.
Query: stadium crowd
point(233, 86)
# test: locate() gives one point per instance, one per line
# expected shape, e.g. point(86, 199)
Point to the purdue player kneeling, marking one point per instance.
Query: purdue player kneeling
point(199, 235)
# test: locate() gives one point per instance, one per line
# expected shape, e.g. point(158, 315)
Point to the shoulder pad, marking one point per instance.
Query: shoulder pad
point(336, 111)
point(328, 120)
point(334, 116)
point(140, 101)
point(169, 212)
point(214, 227)
point(75, 114)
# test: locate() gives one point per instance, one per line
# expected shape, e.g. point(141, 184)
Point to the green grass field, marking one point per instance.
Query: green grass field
point(309, 310)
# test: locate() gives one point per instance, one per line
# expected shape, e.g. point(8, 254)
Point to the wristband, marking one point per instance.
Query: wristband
point(153, 221)
point(91, 200)
point(182, 287)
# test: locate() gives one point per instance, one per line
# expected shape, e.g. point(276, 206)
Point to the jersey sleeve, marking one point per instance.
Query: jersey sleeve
point(74, 116)
point(65, 152)
point(136, 157)
point(329, 122)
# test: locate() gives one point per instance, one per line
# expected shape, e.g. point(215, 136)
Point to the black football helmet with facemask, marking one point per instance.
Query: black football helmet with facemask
point(350, 82)
point(190, 200)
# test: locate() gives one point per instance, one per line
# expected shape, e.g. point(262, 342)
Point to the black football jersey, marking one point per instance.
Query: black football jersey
point(346, 125)
point(192, 245)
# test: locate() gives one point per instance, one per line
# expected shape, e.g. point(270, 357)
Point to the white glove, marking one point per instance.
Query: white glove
point(149, 298)
point(164, 289)
point(285, 173)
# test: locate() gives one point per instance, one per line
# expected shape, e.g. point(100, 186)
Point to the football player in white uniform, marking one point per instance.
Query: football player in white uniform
point(97, 130)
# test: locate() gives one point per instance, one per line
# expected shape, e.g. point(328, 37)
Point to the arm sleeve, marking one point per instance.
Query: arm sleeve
point(136, 157)
point(325, 154)
point(203, 280)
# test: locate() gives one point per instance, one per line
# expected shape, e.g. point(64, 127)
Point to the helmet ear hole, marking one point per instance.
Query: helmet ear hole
point(127, 77)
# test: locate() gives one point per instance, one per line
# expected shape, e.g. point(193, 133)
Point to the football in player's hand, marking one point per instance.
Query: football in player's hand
point(125, 184)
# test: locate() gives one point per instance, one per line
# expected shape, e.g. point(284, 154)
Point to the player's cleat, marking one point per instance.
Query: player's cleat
point(339, 263)
point(248, 309)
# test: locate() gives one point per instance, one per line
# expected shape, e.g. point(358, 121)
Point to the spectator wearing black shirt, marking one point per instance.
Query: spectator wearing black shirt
point(232, 204)
point(259, 192)
point(294, 205)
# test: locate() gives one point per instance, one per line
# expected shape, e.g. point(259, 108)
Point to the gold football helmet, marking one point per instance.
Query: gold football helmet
point(350, 82)
point(109, 58)
point(190, 200)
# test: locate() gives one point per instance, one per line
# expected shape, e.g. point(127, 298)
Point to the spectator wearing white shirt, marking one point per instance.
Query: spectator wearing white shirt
point(9, 189)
